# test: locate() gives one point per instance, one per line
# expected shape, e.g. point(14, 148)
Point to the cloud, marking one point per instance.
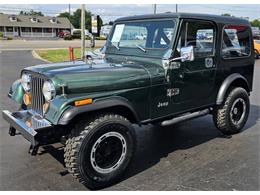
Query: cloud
point(113, 11)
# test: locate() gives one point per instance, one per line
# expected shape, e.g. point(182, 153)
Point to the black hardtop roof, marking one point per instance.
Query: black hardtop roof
point(215, 18)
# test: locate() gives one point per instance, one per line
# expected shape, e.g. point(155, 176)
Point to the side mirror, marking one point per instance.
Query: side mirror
point(187, 54)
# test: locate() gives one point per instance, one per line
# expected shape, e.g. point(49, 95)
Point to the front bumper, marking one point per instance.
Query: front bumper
point(27, 123)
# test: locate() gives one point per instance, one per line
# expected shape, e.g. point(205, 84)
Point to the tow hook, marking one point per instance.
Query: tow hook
point(33, 149)
point(12, 131)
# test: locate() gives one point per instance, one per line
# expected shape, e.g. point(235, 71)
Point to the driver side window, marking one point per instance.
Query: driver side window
point(200, 35)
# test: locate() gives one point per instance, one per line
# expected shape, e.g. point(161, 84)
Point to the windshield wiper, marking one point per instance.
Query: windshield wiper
point(114, 45)
point(140, 47)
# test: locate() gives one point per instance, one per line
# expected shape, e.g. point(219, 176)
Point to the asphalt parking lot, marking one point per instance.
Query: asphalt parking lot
point(187, 156)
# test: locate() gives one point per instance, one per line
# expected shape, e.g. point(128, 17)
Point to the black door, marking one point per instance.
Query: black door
point(193, 82)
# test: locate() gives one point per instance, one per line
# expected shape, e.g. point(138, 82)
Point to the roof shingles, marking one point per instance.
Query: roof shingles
point(43, 21)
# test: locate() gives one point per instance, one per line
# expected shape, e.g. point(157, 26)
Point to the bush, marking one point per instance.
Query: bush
point(9, 38)
point(76, 36)
point(100, 38)
point(69, 37)
point(1, 34)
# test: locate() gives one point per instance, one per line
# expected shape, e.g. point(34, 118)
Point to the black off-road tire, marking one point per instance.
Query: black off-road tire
point(221, 114)
point(79, 147)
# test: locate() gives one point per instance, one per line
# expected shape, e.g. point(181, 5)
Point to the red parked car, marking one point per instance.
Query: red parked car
point(63, 34)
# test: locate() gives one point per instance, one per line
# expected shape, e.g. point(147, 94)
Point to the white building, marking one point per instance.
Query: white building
point(32, 26)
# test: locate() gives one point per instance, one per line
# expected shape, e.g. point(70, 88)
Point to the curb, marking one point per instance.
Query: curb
point(35, 55)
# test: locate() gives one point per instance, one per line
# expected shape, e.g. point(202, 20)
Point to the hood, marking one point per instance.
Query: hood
point(80, 77)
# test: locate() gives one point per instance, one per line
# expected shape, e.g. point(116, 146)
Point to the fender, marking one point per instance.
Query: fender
point(16, 92)
point(99, 104)
point(226, 84)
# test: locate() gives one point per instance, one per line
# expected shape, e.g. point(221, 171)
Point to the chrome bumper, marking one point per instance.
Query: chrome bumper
point(27, 123)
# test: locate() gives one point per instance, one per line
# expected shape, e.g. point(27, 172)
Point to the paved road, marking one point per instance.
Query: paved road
point(42, 44)
point(188, 156)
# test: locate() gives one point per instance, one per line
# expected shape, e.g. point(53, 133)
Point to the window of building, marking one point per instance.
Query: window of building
point(9, 29)
point(34, 19)
point(13, 18)
point(47, 30)
point(26, 29)
point(235, 41)
point(37, 30)
point(53, 20)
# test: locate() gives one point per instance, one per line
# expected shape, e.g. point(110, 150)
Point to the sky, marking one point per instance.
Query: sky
point(110, 12)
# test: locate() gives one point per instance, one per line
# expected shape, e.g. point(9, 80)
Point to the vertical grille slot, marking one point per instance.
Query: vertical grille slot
point(36, 89)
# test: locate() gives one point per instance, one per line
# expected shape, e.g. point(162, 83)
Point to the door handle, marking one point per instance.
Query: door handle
point(181, 75)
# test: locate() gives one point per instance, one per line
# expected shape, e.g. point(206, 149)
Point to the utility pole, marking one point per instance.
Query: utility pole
point(69, 20)
point(176, 8)
point(83, 23)
point(154, 8)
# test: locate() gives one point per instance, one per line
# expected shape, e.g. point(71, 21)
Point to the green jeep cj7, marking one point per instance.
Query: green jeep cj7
point(154, 69)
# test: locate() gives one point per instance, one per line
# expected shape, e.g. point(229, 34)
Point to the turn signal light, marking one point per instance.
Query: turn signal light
point(29, 124)
point(83, 102)
point(46, 107)
point(27, 99)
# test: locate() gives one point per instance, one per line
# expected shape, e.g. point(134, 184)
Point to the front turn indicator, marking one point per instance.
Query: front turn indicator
point(83, 102)
point(27, 99)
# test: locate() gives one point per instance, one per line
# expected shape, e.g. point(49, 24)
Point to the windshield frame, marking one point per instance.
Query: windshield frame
point(174, 20)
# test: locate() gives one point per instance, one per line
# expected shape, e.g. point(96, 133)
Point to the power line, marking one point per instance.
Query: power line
point(235, 8)
point(226, 9)
point(53, 12)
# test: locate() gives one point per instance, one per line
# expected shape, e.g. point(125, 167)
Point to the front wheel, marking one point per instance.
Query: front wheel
point(231, 116)
point(99, 150)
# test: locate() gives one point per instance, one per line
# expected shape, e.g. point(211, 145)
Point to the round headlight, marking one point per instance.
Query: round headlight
point(48, 91)
point(26, 80)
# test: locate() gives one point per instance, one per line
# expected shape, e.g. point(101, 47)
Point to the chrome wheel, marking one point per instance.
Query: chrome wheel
point(237, 112)
point(108, 152)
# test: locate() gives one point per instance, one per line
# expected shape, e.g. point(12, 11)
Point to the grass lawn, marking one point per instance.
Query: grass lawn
point(58, 55)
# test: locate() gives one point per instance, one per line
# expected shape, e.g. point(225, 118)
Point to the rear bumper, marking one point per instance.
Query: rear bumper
point(27, 123)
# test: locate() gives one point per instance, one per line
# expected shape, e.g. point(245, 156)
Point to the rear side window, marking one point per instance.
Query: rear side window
point(235, 41)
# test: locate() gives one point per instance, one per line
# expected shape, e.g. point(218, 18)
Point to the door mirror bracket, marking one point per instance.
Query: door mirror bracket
point(187, 54)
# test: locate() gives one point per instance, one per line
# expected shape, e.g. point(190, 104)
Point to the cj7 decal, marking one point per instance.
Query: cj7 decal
point(209, 63)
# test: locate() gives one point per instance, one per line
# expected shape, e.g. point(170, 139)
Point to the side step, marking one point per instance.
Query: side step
point(185, 117)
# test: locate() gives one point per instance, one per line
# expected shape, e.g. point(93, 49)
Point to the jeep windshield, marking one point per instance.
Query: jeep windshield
point(143, 35)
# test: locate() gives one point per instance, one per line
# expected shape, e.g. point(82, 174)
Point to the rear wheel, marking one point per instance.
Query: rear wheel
point(99, 150)
point(231, 116)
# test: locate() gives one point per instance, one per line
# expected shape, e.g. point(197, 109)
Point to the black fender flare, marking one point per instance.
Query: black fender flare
point(98, 104)
point(226, 84)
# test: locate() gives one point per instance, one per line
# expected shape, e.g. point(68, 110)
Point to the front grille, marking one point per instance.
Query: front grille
point(38, 99)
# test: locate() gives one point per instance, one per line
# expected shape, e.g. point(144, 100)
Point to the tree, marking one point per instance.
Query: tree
point(64, 15)
point(255, 23)
point(31, 13)
point(75, 18)
point(226, 14)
